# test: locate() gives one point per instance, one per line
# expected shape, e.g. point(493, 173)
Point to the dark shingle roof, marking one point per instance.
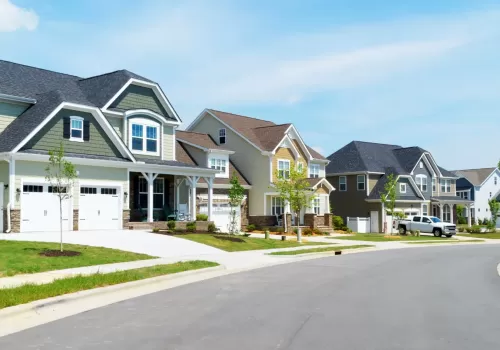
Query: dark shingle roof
point(197, 138)
point(263, 133)
point(359, 156)
point(475, 176)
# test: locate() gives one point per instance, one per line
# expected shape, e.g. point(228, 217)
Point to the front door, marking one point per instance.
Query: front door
point(374, 222)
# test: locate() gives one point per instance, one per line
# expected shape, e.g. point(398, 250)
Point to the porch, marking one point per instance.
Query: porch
point(445, 208)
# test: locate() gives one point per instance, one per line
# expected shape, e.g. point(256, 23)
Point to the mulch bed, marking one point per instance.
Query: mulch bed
point(56, 253)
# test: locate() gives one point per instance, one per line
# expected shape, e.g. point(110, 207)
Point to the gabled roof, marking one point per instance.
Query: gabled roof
point(264, 134)
point(200, 139)
point(475, 176)
point(359, 156)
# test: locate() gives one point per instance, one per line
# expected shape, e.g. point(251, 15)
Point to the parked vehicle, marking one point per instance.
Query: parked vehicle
point(426, 224)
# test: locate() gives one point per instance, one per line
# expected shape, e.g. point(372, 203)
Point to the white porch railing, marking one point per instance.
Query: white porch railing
point(361, 225)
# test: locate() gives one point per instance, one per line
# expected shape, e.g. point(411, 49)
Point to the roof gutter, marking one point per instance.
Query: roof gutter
point(17, 98)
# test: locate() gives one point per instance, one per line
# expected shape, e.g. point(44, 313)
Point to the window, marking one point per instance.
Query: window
point(361, 183)
point(108, 191)
point(446, 213)
point(53, 189)
point(495, 180)
point(277, 206)
point(218, 164)
point(144, 138)
point(300, 166)
point(32, 188)
point(421, 181)
point(421, 165)
point(445, 186)
point(222, 136)
point(158, 193)
point(490, 194)
point(76, 129)
point(434, 184)
point(425, 211)
point(314, 170)
point(416, 219)
point(284, 169)
point(426, 220)
point(342, 183)
point(402, 188)
point(88, 190)
point(316, 205)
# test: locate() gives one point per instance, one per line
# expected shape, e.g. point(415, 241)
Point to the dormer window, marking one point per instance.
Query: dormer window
point(218, 164)
point(421, 165)
point(222, 136)
point(314, 170)
point(144, 136)
point(76, 128)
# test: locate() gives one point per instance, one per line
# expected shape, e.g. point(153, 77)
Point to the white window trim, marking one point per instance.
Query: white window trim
point(421, 184)
point(345, 183)
point(313, 173)
point(225, 136)
point(426, 211)
point(71, 138)
point(157, 193)
point(445, 183)
point(434, 184)
point(316, 204)
point(359, 182)
point(274, 205)
point(222, 174)
point(145, 123)
point(287, 162)
point(401, 186)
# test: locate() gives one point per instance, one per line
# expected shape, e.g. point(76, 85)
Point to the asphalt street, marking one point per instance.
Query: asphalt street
point(434, 298)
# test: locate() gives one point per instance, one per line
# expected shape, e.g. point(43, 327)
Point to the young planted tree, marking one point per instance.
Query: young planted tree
point(294, 189)
point(236, 195)
point(61, 175)
point(388, 197)
point(460, 214)
point(494, 209)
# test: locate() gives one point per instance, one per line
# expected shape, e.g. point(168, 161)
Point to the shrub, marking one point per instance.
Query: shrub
point(348, 230)
point(279, 230)
point(191, 226)
point(491, 225)
point(485, 221)
point(179, 230)
point(337, 221)
point(250, 228)
point(474, 229)
point(295, 231)
point(258, 227)
point(156, 230)
point(212, 228)
point(462, 221)
point(461, 229)
point(307, 232)
point(171, 225)
point(317, 232)
point(201, 217)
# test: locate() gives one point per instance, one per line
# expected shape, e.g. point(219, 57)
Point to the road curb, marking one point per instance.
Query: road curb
point(9, 315)
point(304, 256)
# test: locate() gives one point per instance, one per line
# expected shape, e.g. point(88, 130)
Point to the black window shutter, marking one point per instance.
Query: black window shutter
point(86, 130)
point(135, 190)
point(66, 129)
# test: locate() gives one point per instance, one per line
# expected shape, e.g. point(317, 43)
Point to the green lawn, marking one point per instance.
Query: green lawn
point(376, 237)
point(447, 242)
point(492, 235)
point(247, 244)
point(320, 250)
point(17, 257)
point(30, 292)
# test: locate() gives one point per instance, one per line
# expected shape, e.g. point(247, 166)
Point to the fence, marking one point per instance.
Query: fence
point(361, 225)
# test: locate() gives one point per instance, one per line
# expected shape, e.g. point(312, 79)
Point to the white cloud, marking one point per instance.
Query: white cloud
point(13, 17)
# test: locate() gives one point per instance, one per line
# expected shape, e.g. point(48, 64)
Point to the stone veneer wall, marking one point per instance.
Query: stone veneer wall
point(126, 218)
point(200, 225)
point(76, 219)
point(262, 220)
point(15, 220)
point(309, 220)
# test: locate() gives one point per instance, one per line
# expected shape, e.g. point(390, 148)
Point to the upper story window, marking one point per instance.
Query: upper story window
point(402, 188)
point(222, 136)
point(284, 168)
point(421, 181)
point(314, 170)
point(300, 166)
point(342, 183)
point(445, 186)
point(144, 136)
point(434, 189)
point(421, 165)
point(495, 180)
point(76, 129)
point(218, 164)
point(361, 182)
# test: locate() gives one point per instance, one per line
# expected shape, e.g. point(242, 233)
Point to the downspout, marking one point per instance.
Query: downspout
point(9, 228)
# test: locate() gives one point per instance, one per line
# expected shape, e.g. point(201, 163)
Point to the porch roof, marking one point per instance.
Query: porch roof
point(169, 163)
point(447, 199)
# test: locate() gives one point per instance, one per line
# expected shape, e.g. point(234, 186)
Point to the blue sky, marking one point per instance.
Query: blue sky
point(423, 73)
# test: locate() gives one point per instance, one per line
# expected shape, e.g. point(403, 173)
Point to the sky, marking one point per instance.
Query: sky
point(413, 73)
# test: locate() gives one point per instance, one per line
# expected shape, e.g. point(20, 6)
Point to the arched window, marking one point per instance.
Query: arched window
point(446, 213)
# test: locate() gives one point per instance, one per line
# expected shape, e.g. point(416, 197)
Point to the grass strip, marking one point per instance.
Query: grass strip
point(320, 250)
point(30, 292)
point(375, 237)
point(491, 235)
point(246, 243)
point(19, 257)
point(448, 242)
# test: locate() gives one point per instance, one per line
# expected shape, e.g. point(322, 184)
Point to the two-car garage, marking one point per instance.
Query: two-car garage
point(98, 207)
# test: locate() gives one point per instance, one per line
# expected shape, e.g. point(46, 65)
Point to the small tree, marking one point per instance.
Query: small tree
point(494, 209)
point(388, 196)
point(294, 189)
point(61, 175)
point(236, 195)
point(460, 213)
point(498, 165)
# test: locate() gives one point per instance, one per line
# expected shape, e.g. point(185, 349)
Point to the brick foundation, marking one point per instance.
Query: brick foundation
point(76, 219)
point(328, 219)
point(310, 220)
point(262, 220)
point(126, 218)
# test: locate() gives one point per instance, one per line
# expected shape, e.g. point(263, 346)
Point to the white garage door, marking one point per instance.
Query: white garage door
point(40, 209)
point(221, 215)
point(99, 208)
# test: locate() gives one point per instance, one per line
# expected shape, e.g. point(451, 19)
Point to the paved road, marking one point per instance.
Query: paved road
point(426, 298)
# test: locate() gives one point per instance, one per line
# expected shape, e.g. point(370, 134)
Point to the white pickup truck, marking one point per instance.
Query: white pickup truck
point(426, 224)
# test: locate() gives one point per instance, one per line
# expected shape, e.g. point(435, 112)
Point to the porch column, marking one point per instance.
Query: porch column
point(178, 183)
point(451, 213)
point(150, 177)
point(210, 183)
point(440, 211)
point(469, 216)
point(192, 180)
point(12, 183)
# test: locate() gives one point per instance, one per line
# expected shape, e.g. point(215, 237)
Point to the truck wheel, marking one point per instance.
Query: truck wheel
point(437, 232)
point(449, 236)
point(402, 230)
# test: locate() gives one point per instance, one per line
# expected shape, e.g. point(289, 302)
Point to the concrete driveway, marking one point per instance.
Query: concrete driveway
point(128, 240)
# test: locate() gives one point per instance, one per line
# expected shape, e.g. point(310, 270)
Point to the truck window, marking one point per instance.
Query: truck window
point(426, 220)
point(416, 219)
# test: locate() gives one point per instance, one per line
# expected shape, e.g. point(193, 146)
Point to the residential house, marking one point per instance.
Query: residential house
point(119, 129)
point(479, 186)
point(200, 149)
point(261, 150)
point(360, 171)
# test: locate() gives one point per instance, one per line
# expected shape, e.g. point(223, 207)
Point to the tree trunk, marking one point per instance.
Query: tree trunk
point(297, 221)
